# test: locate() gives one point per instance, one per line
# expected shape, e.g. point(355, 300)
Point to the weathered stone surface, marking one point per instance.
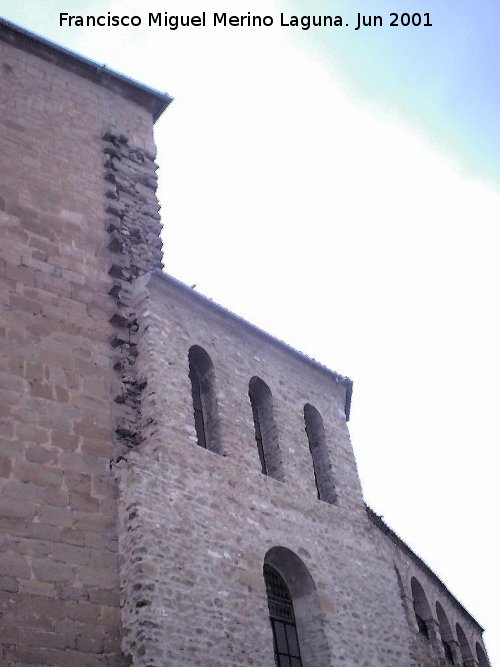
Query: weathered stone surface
point(195, 526)
point(56, 374)
point(133, 237)
point(122, 541)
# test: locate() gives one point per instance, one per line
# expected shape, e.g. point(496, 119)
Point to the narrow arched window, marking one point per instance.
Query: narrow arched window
point(465, 649)
point(323, 474)
point(202, 376)
point(446, 634)
point(481, 656)
point(266, 433)
point(282, 617)
point(421, 608)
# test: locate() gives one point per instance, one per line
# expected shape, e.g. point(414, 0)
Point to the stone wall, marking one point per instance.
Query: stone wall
point(134, 228)
point(441, 611)
point(95, 389)
point(59, 583)
point(195, 525)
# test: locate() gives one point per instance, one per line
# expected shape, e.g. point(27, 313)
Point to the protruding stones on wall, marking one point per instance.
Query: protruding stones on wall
point(134, 239)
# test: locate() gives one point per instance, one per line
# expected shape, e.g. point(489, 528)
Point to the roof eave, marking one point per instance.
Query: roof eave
point(378, 521)
point(338, 378)
point(153, 100)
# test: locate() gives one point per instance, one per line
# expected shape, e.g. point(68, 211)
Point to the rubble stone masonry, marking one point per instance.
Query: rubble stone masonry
point(196, 525)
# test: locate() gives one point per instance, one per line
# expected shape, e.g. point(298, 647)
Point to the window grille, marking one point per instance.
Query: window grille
point(282, 617)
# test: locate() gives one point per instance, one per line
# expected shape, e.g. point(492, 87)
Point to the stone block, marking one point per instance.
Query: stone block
point(9, 584)
point(103, 578)
point(14, 565)
point(72, 536)
point(83, 502)
point(31, 433)
point(45, 640)
point(50, 571)
point(90, 641)
point(19, 273)
point(21, 303)
point(70, 554)
point(9, 397)
point(43, 531)
point(56, 516)
point(41, 390)
point(17, 508)
point(109, 598)
point(77, 482)
point(40, 454)
point(55, 496)
point(34, 371)
point(39, 474)
point(103, 559)
point(81, 612)
point(93, 523)
point(64, 440)
point(11, 382)
point(5, 466)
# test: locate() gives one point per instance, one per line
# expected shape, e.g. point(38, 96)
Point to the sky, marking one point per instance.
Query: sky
point(340, 189)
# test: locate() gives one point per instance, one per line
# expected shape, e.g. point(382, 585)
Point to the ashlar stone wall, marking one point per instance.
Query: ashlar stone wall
point(59, 583)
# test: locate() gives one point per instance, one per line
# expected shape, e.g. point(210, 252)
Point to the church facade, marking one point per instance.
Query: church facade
point(177, 487)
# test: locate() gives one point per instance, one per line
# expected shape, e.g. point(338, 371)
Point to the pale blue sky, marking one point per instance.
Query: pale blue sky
point(445, 80)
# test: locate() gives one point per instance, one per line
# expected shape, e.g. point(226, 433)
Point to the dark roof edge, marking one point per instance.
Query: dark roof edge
point(149, 98)
point(380, 523)
point(339, 379)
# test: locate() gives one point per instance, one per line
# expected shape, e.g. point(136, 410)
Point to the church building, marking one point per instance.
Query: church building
point(177, 487)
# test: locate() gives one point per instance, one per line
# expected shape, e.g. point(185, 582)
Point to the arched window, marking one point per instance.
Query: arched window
point(294, 612)
point(481, 656)
point(420, 607)
point(319, 451)
point(202, 376)
point(446, 634)
point(465, 648)
point(282, 617)
point(266, 433)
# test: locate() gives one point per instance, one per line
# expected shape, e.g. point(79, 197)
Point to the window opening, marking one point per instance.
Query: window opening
point(282, 617)
point(199, 422)
point(266, 433)
point(204, 396)
point(421, 607)
point(447, 653)
point(258, 436)
point(481, 656)
point(323, 476)
point(422, 626)
point(446, 634)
